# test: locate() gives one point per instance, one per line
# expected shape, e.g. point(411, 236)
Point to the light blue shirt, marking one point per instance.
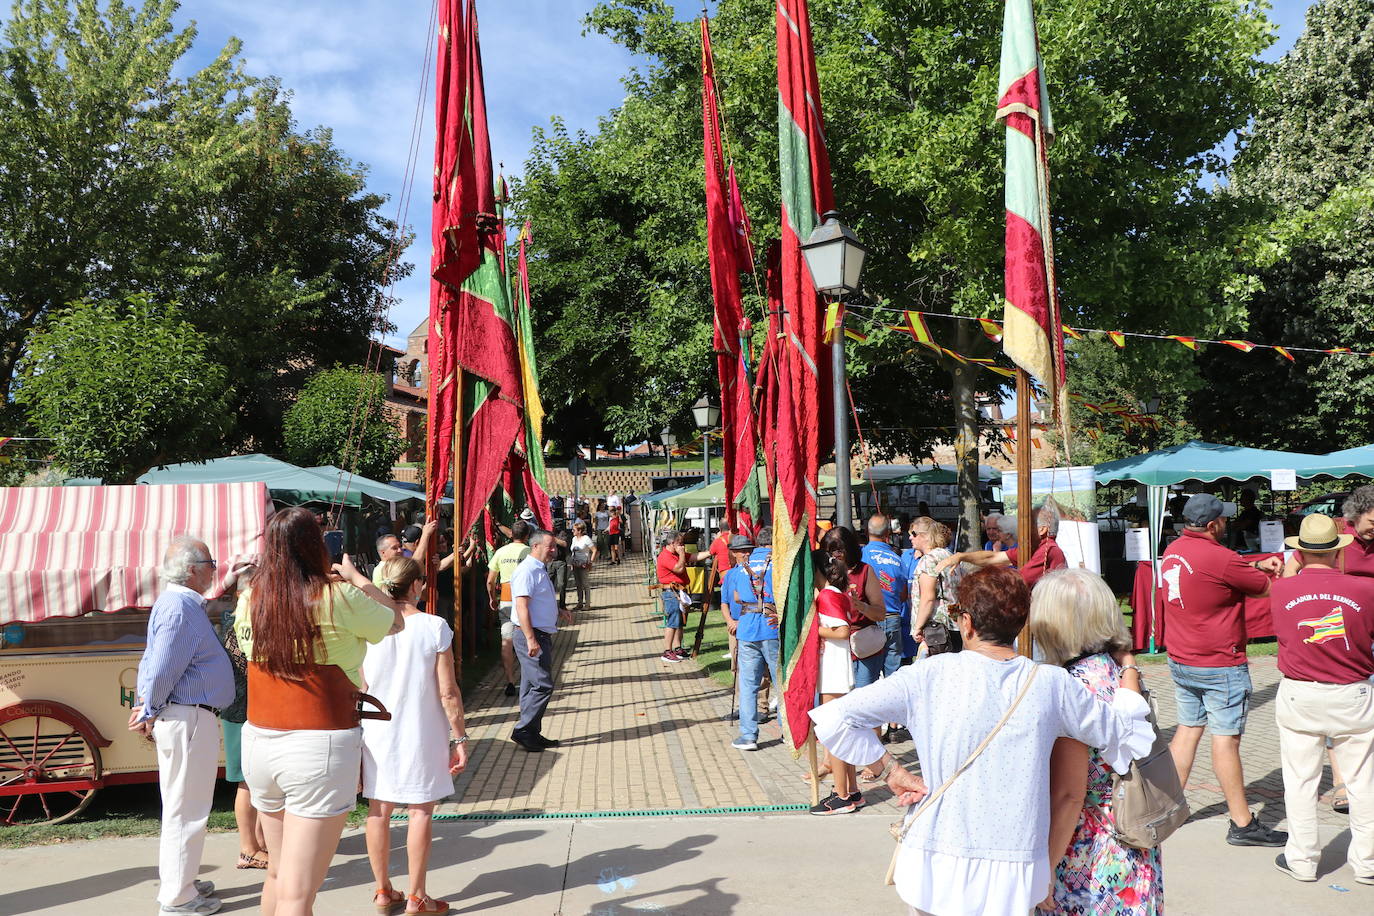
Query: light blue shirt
point(754, 626)
point(183, 662)
point(531, 580)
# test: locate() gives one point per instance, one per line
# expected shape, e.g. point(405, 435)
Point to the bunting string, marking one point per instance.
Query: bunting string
point(993, 331)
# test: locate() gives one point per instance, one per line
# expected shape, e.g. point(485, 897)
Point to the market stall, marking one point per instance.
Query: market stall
point(78, 573)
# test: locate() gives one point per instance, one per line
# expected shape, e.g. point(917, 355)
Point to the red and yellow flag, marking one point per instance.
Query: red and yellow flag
point(1117, 338)
point(1033, 335)
point(727, 243)
point(1283, 351)
point(1243, 346)
point(1188, 342)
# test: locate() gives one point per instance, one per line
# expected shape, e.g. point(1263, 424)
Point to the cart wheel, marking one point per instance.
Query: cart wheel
point(49, 763)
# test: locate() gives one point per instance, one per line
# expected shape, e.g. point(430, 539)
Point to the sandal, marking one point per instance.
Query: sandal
point(1340, 801)
point(820, 774)
point(387, 899)
point(426, 904)
point(247, 861)
point(867, 775)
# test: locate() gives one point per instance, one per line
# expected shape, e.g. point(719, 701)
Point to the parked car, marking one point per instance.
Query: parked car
point(1327, 504)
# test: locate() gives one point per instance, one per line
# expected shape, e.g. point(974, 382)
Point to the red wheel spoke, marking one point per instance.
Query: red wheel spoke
point(43, 800)
point(37, 725)
point(17, 752)
point(10, 818)
point(9, 766)
point(63, 743)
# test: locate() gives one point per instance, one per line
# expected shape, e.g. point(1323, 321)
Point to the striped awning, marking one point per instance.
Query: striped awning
point(66, 551)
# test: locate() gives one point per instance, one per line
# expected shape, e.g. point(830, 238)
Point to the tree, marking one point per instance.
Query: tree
point(1143, 94)
point(123, 170)
point(122, 386)
point(340, 420)
point(1307, 159)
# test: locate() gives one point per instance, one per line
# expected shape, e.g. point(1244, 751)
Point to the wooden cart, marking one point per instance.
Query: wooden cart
point(78, 570)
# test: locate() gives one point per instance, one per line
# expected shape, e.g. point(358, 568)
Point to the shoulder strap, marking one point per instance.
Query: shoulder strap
point(977, 751)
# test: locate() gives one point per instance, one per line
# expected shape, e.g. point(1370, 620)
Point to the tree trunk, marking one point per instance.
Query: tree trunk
point(966, 453)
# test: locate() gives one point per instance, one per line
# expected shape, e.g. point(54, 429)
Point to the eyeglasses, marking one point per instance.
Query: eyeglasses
point(210, 563)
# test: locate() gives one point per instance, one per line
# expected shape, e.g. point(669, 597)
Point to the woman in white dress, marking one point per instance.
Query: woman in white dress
point(835, 613)
point(410, 760)
point(982, 847)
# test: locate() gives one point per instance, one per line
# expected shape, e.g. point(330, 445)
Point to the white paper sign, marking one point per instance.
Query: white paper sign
point(1271, 537)
point(1283, 479)
point(1137, 545)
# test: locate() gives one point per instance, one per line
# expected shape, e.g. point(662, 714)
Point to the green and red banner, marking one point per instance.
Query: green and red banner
point(1032, 332)
point(471, 332)
point(727, 240)
point(801, 387)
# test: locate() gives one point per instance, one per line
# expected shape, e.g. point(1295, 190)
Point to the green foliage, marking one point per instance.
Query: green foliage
point(339, 420)
point(122, 386)
point(122, 169)
point(1143, 94)
point(1307, 159)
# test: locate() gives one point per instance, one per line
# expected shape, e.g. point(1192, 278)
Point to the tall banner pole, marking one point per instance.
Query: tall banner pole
point(457, 568)
point(1025, 520)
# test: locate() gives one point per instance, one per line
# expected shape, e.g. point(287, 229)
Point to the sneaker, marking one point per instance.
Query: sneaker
point(725, 655)
point(670, 656)
point(510, 690)
point(1281, 863)
point(833, 804)
point(1255, 834)
point(773, 705)
point(857, 800)
point(740, 744)
point(1364, 879)
point(204, 888)
point(198, 905)
point(681, 652)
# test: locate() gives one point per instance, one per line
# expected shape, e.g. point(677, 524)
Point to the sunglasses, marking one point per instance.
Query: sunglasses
point(210, 563)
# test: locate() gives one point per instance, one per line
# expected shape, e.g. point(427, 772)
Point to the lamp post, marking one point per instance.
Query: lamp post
point(835, 259)
point(669, 440)
point(706, 415)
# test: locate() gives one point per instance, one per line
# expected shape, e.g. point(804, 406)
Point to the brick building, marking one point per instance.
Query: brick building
point(407, 393)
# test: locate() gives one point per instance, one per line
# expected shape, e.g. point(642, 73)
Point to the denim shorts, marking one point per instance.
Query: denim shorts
point(1216, 697)
point(672, 610)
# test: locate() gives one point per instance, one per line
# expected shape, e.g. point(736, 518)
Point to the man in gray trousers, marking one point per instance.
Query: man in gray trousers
point(536, 617)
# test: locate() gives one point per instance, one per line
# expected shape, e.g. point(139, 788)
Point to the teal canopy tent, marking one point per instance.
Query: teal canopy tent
point(1202, 461)
point(286, 482)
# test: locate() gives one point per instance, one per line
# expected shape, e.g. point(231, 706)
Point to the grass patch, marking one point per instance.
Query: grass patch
point(714, 642)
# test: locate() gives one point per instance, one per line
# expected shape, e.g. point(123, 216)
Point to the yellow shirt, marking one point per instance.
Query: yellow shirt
point(355, 621)
point(505, 561)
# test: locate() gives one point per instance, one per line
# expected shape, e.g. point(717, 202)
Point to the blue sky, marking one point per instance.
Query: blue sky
point(355, 66)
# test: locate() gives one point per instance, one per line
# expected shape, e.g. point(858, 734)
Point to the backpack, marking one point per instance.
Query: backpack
point(1148, 803)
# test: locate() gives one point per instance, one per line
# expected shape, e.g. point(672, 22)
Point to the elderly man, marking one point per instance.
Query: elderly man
point(1324, 620)
point(747, 591)
point(993, 531)
point(887, 565)
point(1047, 556)
point(184, 680)
point(536, 620)
point(1205, 586)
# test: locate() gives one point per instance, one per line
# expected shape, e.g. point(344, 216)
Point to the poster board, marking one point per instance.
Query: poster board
point(1073, 491)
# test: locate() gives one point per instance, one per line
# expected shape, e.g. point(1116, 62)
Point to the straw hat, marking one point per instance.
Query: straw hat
point(1319, 534)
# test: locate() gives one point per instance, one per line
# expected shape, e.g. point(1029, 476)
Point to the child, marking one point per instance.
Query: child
point(835, 613)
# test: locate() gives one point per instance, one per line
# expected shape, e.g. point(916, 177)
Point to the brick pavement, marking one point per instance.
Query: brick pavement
point(639, 734)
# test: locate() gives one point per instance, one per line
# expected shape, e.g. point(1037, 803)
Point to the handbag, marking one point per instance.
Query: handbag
point(868, 641)
point(899, 830)
point(1148, 803)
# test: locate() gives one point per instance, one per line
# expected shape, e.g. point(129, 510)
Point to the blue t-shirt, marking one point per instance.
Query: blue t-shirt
point(888, 567)
point(752, 626)
point(727, 589)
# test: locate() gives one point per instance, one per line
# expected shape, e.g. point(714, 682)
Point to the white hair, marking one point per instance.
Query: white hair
point(182, 553)
point(1072, 612)
point(1008, 524)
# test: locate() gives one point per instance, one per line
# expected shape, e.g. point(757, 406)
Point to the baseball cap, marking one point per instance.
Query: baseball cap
point(1203, 508)
point(740, 542)
point(412, 533)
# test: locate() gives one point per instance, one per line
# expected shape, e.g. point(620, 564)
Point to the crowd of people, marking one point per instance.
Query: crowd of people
point(327, 673)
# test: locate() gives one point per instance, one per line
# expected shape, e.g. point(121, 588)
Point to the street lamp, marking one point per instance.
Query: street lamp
point(1149, 406)
point(669, 440)
point(707, 417)
point(835, 259)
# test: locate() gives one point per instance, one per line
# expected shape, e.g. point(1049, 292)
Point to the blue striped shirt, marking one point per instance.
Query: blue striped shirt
point(183, 662)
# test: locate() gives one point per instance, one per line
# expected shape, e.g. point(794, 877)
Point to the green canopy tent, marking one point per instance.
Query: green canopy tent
point(713, 495)
point(287, 483)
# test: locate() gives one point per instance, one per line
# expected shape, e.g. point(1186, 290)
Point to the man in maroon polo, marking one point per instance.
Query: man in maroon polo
point(1048, 554)
point(1205, 586)
point(1324, 620)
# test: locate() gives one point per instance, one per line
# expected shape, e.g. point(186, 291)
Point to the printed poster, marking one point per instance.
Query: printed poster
point(1073, 491)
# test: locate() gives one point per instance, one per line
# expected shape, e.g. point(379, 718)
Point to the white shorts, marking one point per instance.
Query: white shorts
point(310, 773)
point(507, 624)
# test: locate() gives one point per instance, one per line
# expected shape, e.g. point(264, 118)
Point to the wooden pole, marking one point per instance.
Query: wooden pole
point(811, 763)
point(1025, 519)
point(457, 567)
